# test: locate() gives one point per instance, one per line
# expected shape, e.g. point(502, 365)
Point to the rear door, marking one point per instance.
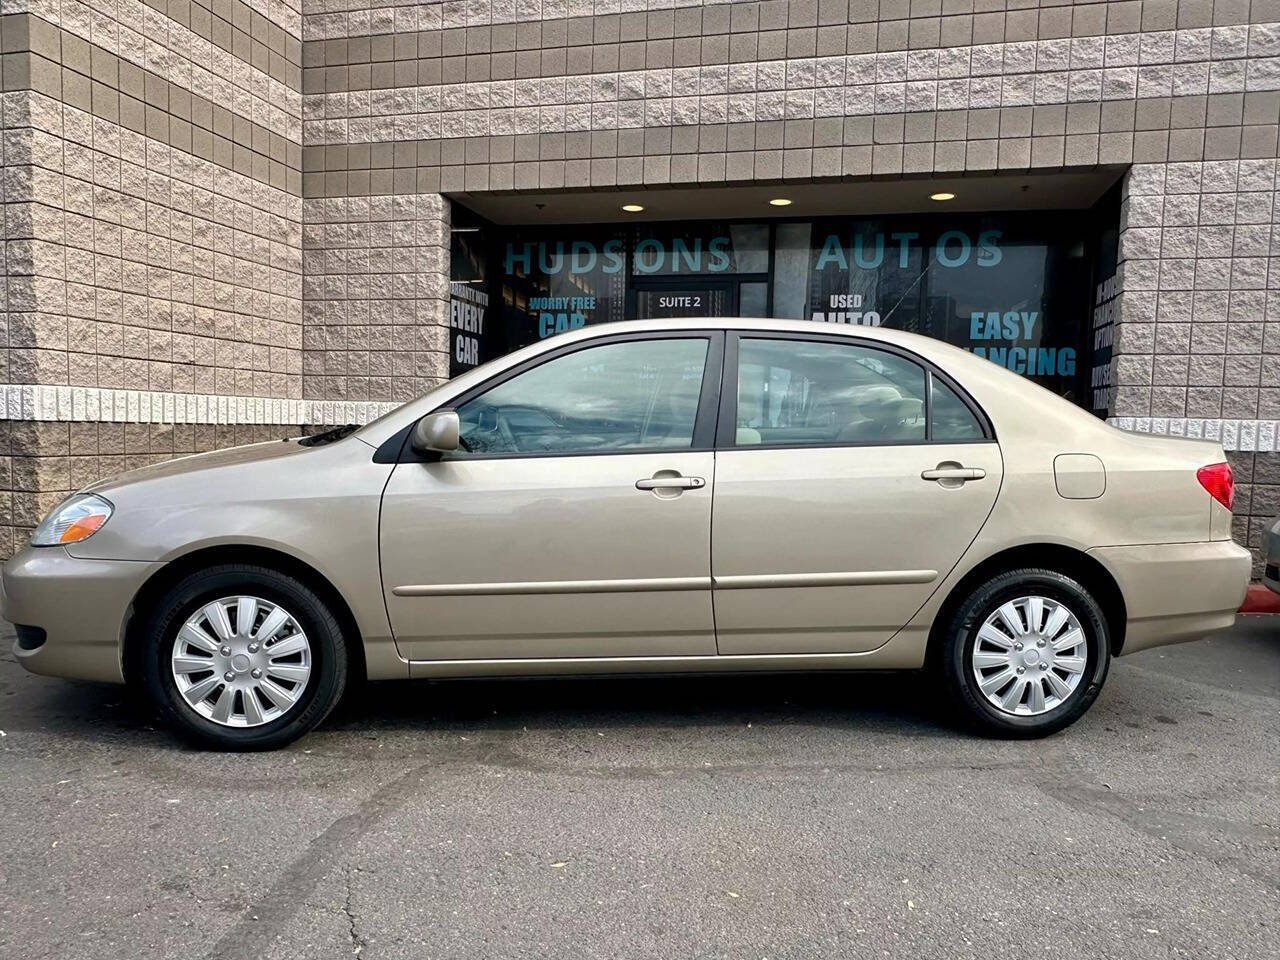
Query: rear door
point(850, 478)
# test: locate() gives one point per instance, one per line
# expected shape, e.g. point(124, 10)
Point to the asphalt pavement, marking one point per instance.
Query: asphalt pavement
point(792, 817)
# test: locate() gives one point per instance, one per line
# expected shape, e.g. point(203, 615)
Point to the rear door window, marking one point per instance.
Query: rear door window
point(825, 393)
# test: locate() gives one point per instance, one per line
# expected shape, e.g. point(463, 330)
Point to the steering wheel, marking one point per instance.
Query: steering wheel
point(504, 431)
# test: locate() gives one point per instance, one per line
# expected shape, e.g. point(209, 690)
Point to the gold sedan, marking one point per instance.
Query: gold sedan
point(655, 496)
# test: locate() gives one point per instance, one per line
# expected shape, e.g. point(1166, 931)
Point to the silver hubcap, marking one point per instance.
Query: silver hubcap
point(241, 661)
point(1029, 656)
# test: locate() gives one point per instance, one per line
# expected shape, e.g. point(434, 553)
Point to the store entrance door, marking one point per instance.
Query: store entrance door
point(683, 297)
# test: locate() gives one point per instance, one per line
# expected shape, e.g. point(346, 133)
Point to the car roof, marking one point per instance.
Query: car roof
point(917, 343)
point(716, 323)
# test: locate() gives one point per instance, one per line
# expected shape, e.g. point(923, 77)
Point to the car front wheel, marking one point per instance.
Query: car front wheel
point(243, 657)
point(1026, 653)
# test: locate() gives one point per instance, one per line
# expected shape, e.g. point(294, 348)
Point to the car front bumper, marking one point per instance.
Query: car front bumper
point(70, 613)
point(1271, 557)
point(1177, 591)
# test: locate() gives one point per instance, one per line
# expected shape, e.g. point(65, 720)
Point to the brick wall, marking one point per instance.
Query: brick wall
point(492, 96)
point(165, 244)
point(228, 215)
point(1257, 499)
point(153, 226)
point(376, 297)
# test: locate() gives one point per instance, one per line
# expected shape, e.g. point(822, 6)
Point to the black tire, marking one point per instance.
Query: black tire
point(954, 661)
point(328, 652)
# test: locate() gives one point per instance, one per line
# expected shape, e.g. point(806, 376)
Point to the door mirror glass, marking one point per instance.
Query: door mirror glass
point(436, 432)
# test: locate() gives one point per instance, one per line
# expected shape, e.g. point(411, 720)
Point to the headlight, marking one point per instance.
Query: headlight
point(75, 519)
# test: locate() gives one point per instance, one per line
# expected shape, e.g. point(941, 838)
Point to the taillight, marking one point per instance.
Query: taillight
point(1217, 479)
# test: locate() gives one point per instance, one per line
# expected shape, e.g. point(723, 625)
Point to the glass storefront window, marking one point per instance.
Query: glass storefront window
point(791, 270)
point(1005, 288)
point(1014, 288)
point(701, 249)
point(1012, 299)
point(553, 284)
point(866, 272)
point(468, 294)
point(753, 299)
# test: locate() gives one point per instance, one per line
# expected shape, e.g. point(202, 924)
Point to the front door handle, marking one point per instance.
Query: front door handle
point(676, 483)
point(953, 472)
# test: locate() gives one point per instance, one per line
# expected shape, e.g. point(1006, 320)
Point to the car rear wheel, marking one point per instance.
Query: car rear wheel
point(1025, 654)
point(243, 657)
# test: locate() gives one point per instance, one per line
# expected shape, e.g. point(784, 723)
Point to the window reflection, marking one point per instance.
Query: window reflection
point(807, 392)
point(637, 395)
point(1014, 288)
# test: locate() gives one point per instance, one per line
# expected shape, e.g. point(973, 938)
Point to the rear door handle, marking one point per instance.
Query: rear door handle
point(664, 483)
point(953, 473)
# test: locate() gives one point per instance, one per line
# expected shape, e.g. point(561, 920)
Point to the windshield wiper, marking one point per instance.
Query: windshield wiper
point(329, 436)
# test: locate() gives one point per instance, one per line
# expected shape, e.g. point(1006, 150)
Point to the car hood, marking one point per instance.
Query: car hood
point(279, 494)
point(211, 462)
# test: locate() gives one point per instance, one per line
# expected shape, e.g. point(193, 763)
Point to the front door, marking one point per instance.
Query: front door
point(576, 519)
point(850, 480)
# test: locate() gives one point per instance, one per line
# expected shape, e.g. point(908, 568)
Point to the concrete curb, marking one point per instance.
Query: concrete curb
point(1259, 599)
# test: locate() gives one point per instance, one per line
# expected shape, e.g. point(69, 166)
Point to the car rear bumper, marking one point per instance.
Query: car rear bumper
point(70, 613)
point(1177, 591)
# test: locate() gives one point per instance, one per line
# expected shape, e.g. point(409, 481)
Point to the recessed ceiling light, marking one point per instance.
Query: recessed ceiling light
point(779, 202)
point(942, 196)
point(632, 207)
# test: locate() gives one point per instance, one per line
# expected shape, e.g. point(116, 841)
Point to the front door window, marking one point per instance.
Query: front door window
point(618, 397)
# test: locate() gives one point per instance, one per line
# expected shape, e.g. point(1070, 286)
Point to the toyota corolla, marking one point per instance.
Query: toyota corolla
point(657, 496)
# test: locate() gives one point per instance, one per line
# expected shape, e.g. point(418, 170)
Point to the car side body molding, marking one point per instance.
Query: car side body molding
point(850, 579)
point(639, 585)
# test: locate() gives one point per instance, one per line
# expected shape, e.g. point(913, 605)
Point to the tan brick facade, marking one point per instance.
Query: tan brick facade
point(376, 297)
point(225, 219)
point(153, 227)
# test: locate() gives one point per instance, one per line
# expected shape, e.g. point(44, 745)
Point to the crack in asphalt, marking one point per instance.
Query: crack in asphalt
point(260, 925)
point(501, 755)
point(504, 757)
point(1075, 787)
point(1180, 830)
point(357, 941)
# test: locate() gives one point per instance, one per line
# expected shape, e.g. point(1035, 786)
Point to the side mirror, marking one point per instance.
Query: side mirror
point(436, 432)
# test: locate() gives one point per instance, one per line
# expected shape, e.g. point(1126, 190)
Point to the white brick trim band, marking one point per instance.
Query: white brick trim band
point(1262, 436)
point(104, 405)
